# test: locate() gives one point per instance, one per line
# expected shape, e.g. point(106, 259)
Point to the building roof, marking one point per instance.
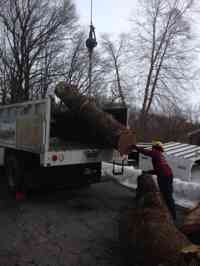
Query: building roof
point(184, 150)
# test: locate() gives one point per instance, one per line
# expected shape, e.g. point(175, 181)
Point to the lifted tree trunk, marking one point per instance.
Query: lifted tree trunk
point(96, 125)
point(148, 234)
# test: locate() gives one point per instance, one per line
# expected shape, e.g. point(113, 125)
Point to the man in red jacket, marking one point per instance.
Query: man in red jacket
point(163, 172)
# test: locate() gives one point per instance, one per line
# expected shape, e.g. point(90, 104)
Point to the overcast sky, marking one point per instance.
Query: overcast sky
point(112, 16)
point(109, 16)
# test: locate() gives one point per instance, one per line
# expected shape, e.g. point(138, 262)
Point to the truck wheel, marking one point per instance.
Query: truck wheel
point(14, 172)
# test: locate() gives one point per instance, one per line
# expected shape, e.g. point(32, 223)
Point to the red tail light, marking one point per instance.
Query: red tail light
point(54, 157)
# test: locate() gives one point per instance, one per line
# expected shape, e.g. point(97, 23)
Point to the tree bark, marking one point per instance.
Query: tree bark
point(149, 235)
point(191, 224)
point(96, 125)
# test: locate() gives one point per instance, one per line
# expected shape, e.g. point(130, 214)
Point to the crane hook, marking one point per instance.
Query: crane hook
point(91, 42)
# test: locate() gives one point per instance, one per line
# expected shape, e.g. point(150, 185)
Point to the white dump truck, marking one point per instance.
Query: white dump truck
point(28, 145)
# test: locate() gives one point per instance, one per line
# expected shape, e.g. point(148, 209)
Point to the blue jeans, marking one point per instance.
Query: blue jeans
point(166, 188)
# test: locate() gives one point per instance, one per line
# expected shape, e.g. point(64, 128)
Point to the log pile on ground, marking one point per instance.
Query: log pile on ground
point(191, 224)
point(148, 234)
point(94, 124)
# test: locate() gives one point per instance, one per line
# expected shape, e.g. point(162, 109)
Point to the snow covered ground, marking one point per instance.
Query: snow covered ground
point(186, 193)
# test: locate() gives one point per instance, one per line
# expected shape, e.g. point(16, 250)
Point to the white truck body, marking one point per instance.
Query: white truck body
point(26, 127)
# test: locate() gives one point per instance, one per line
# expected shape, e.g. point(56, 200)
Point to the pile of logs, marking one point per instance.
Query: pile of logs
point(148, 234)
point(90, 122)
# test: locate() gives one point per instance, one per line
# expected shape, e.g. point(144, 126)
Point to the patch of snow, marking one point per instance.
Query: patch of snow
point(186, 193)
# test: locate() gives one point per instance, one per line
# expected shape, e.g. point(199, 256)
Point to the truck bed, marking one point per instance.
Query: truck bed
point(57, 138)
point(57, 144)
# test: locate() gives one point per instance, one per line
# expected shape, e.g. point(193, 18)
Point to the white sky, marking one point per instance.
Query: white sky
point(109, 16)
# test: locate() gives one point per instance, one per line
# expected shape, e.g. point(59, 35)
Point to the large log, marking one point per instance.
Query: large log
point(191, 224)
point(148, 234)
point(97, 125)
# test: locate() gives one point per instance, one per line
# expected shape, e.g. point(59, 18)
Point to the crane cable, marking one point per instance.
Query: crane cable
point(91, 11)
point(91, 43)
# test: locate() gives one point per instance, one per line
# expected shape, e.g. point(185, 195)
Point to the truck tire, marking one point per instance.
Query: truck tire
point(14, 171)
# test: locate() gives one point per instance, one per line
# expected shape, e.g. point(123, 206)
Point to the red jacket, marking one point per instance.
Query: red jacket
point(160, 165)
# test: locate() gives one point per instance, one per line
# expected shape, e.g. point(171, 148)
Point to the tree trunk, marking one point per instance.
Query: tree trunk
point(148, 233)
point(191, 224)
point(96, 125)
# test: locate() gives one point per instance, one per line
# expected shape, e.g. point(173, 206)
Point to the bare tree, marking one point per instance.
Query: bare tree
point(173, 123)
point(114, 59)
point(163, 54)
point(75, 62)
point(34, 31)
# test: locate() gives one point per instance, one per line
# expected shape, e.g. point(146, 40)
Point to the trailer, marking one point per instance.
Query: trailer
point(27, 143)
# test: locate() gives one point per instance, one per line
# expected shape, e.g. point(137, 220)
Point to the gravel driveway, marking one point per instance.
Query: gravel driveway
point(63, 227)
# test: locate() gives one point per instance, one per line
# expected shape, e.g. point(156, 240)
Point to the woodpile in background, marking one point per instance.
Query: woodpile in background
point(148, 234)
